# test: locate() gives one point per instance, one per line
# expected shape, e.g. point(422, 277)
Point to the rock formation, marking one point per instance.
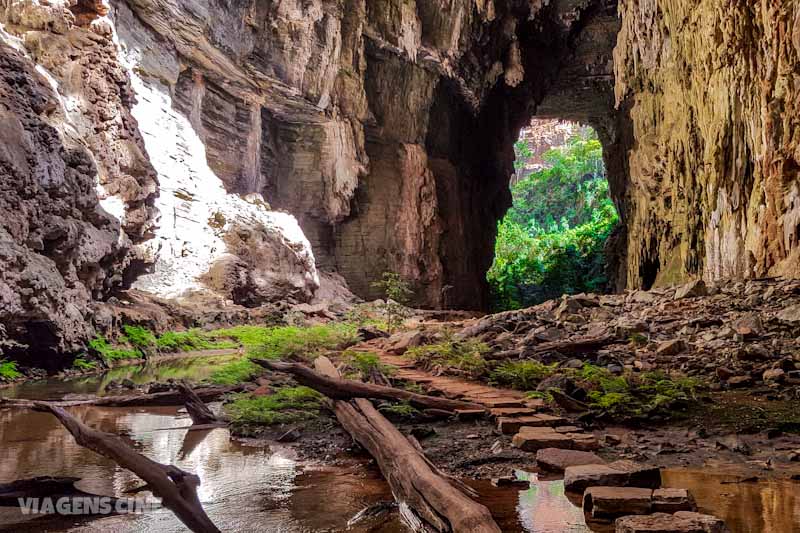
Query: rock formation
point(150, 142)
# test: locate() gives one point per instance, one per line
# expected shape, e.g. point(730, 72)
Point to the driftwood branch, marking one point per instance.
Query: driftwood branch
point(346, 389)
point(420, 489)
point(176, 488)
point(197, 409)
point(166, 398)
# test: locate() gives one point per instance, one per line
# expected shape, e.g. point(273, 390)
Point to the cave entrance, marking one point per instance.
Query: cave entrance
point(552, 239)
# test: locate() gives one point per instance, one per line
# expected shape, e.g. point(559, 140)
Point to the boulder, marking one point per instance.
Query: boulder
point(693, 289)
point(680, 522)
point(558, 459)
point(606, 502)
point(671, 347)
point(774, 374)
point(790, 314)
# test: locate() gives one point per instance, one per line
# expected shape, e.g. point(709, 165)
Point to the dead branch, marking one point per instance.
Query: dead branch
point(197, 409)
point(176, 488)
point(345, 389)
point(165, 398)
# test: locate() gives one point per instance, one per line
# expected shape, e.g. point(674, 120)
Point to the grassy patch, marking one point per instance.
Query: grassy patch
point(522, 375)
point(451, 355)
point(402, 410)
point(140, 338)
point(8, 370)
point(192, 340)
point(109, 352)
point(286, 405)
point(290, 342)
point(235, 372)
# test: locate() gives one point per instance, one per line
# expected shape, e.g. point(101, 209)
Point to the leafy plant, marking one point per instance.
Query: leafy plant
point(523, 375)
point(399, 410)
point(8, 370)
point(140, 338)
point(83, 364)
point(398, 293)
point(110, 353)
point(366, 364)
point(235, 372)
point(286, 405)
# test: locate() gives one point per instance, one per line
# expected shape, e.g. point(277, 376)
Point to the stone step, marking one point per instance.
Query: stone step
point(617, 474)
point(500, 402)
point(558, 459)
point(611, 502)
point(514, 412)
point(511, 425)
point(531, 439)
point(680, 522)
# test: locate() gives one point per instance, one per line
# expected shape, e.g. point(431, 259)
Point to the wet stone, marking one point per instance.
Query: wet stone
point(531, 439)
point(606, 502)
point(616, 474)
point(510, 426)
point(558, 459)
point(672, 500)
point(680, 522)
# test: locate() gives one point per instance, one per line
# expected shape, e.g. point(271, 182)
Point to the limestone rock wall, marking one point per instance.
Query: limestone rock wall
point(712, 93)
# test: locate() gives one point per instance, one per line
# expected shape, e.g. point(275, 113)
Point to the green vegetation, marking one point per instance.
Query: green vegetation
point(192, 340)
point(235, 372)
point(522, 375)
point(8, 370)
point(551, 240)
point(297, 343)
point(286, 405)
point(398, 293)
point(451, 355)
point(109, 352)
point(402, 410)
point(140, 338)
point(364, 365)
point(83, 364)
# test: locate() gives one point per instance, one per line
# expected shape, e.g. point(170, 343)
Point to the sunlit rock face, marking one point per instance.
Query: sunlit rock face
point(712, 92)
point(206, 238)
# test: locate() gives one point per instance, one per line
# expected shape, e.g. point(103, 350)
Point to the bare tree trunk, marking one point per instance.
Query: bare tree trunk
point(197, 409)
point(421, 490)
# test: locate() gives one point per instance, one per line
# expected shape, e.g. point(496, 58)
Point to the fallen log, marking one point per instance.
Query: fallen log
point(197, 409)
point(176, 488)
point(423, 494)
point(346, 389)
point(165, 398)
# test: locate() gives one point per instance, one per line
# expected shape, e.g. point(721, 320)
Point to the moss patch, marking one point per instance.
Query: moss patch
point(464, 357)
point(235, 372)
point(286, 405)
point(522, 375)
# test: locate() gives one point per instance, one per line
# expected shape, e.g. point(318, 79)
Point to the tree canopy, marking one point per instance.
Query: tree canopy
point(551, 240)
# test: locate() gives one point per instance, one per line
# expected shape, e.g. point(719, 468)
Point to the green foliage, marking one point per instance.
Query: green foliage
point(635, 395)
point(522, 375)
point(551, 240)
point(187, 341)
point(451, 355)
point(109, 352)
point(8, 370)
point(286, 405)
point(365, 364)
point(399, 410)
point(235, 372)
point(139, 337)
point(83, 364)
point(289, 342)
point(398, 293)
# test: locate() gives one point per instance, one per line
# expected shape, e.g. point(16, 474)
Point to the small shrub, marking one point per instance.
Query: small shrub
point(365, 364)
point(398, 293)
point(522, 375)
point(637, 339)
point(402, 410)
point(463, 356)
point(286, 405)
point(8, 370)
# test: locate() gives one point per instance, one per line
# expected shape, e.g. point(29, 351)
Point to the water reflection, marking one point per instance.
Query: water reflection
point(746, 507)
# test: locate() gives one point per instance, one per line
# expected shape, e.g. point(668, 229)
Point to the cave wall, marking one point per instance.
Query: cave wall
point(711, 89)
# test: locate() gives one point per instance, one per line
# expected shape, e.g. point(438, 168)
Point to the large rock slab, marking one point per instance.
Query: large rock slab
point(616, 474)
point(606, 502)
point(531, 439)
point(680, 522)
point(510, 426)
point(672, 500)
point(558, 459)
